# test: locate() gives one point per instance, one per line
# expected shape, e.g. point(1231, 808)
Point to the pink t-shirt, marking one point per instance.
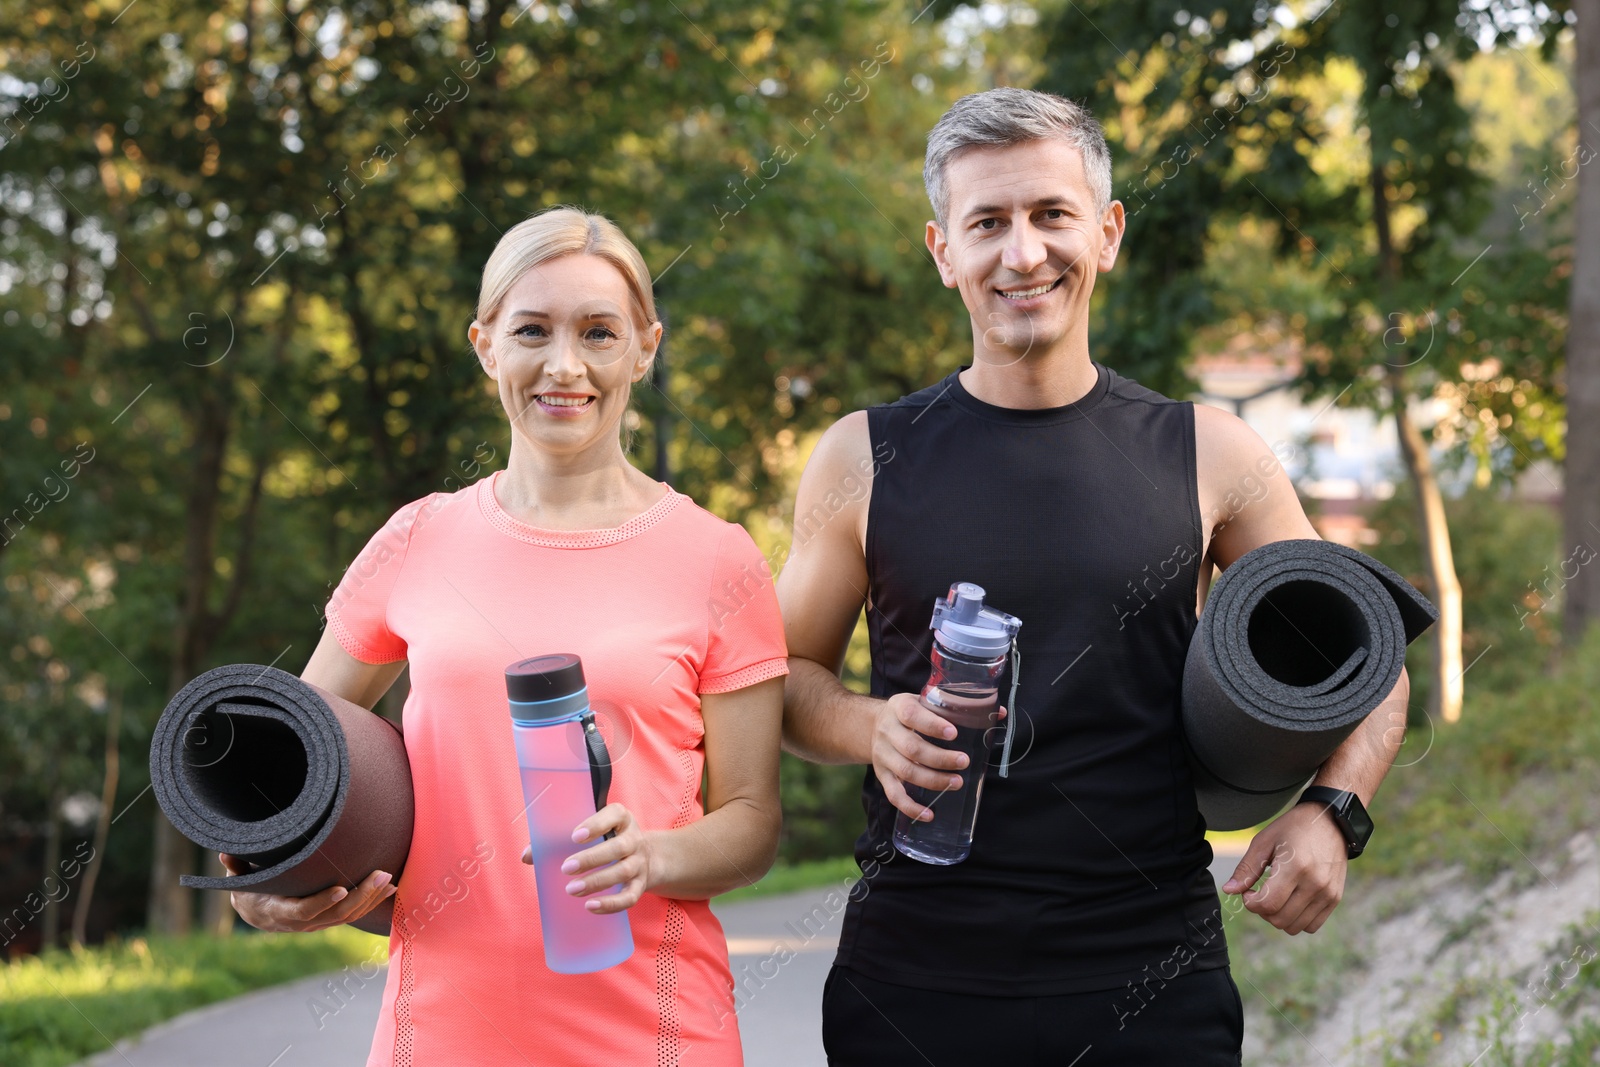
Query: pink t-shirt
point(672, 604)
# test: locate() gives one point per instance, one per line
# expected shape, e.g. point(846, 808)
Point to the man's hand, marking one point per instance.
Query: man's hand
point(1307, 855)
point(901, 755)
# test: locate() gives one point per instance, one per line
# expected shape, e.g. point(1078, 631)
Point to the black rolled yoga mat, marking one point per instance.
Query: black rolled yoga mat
point(309, 788)
point(1299, 642)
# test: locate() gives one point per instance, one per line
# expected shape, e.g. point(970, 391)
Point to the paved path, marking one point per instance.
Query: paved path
point(778, 993)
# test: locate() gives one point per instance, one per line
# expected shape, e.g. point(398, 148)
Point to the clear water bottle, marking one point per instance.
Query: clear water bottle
point(970, 643)
point(566, 774)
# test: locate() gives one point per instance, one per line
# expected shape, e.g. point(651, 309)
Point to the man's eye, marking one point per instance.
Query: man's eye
point(1055, 213)
point(988, 224)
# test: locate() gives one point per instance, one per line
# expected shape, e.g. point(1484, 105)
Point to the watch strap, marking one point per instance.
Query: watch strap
point(1337, 802)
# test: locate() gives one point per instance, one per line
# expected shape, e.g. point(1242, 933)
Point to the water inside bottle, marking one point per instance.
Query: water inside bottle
point(974, 712)
point(576, 941)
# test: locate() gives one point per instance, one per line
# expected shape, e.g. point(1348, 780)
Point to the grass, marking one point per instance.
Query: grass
point(1500, 793)
point(1563, 985)
point(1505, 787)
point(63, 1005)
point(1287, 983)
point(791, 877)
point(1502, 789)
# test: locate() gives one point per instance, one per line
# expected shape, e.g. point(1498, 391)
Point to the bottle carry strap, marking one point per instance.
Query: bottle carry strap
point(1011, 708)
point(599, 763)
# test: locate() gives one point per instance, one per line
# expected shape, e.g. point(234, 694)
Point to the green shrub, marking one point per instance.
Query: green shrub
point(60, 1006)
point(1507, 555)
point(1503, 788)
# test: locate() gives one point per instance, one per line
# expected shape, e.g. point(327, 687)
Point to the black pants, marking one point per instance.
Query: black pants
point(1196, 1020)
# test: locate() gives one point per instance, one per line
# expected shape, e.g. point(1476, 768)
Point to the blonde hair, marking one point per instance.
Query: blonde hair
point(562, 231)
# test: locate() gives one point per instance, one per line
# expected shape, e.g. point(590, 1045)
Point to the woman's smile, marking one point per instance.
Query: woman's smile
point(564, 405)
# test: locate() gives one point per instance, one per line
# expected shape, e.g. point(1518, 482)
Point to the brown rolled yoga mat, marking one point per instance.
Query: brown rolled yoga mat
point(310, 789)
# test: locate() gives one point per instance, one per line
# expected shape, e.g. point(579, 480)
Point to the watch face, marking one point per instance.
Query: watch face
point(1360, 821)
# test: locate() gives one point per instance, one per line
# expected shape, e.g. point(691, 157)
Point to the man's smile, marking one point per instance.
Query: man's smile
point(1021, 295)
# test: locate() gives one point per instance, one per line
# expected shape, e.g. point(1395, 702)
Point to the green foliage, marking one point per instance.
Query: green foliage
point(1509, 561)
point(1154, 74)
point(239, 257)
point(1286, 984)
point(1501, 791)
point(1504, 788)
point(1515, 1003)
point(240, 248)
point(1245, 117)
point(792, 877)
point(128, 986)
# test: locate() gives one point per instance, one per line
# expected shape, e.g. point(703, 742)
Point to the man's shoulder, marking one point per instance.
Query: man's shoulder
point(843, 448)
point(1126, 389)
point(922, 398)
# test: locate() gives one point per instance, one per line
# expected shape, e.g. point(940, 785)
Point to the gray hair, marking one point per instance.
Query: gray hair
point(1008, 116)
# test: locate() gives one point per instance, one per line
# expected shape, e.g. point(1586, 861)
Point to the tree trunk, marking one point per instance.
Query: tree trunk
point(1581, 504)
point(216, 910)
point(172, 905)
point(661, 425)
point(217, 914)
point(1444, 701)
point(50, 925)
point(102, 826)
point(1448, 686)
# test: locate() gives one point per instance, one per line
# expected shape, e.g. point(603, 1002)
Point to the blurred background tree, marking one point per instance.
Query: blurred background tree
point(240, 246)
point(1338, 143)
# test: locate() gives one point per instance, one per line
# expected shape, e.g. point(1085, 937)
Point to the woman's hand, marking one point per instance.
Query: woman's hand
point(334, 906)
point(630, 855)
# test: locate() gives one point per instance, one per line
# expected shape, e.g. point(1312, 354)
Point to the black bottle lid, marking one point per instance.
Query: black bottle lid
point(544, 678)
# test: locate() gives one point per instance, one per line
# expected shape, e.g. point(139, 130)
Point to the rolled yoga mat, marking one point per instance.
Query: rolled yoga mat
point(309, 788)
point(1299, 641)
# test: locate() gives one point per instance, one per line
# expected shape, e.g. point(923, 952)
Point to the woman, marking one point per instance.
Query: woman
point(569, 549)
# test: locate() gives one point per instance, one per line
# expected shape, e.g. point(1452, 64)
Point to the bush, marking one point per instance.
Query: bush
point(1514, 775)
point(125, 987)
point(1507, 555)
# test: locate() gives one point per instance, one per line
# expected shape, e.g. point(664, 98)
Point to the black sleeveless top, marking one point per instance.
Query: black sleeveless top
point(1089, 862)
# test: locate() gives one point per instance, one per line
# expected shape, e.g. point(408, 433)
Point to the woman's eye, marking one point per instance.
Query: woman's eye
point(530, 330)
point(598, 334)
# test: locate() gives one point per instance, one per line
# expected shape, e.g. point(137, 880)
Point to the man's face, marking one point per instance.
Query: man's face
point(1023, 243)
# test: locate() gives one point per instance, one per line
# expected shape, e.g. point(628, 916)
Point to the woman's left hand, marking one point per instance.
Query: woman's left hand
point(627, 860)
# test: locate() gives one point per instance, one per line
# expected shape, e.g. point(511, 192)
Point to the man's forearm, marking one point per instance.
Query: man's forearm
point(1362, 761)
point(823, 722)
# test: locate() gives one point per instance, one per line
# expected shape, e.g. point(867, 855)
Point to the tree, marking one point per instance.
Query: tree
point(254, 235)
point(1225, 116)
point(1582, 482)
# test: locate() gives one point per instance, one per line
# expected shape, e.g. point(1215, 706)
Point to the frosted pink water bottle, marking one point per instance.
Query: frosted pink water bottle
point(566, 774)
point(970, 642)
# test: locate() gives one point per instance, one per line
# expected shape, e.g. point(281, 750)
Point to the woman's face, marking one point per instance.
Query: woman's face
point(564, 348)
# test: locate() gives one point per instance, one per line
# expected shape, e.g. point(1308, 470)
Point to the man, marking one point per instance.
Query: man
point(1084, 928)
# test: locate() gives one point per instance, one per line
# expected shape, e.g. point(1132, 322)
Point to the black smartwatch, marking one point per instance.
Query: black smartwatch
point(1349, 814)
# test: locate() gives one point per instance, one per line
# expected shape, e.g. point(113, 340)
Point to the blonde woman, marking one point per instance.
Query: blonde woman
point(569, 549)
